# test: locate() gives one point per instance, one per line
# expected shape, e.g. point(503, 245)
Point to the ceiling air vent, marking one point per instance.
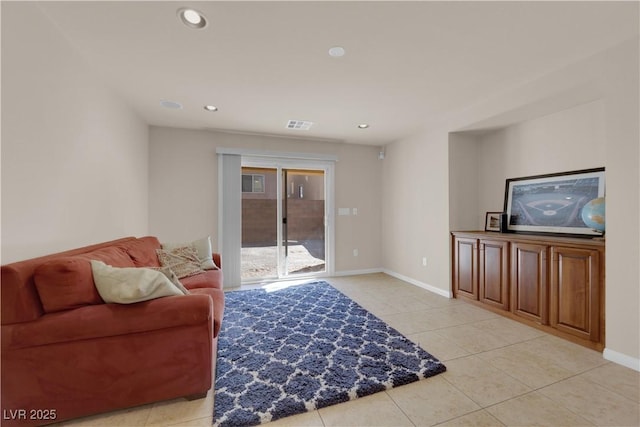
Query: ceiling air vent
point(299, 124)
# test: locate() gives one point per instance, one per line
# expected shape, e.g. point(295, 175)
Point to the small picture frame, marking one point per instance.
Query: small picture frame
point(492, 221)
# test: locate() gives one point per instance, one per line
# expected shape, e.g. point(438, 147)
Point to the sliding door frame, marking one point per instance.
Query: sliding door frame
point(281, 164)
point(233, 241)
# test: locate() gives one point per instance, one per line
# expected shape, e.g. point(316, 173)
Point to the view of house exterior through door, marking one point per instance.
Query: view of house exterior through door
point(283, 222)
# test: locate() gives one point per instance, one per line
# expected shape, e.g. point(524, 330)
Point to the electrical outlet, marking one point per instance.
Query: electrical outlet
point(424, 261)
point(355, 252)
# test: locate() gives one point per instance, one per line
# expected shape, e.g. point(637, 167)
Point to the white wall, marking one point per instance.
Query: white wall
point(74, 156)
point(464, 188)
point(623, 196)
point(567, 140)
point(584, 115)
point(415, 212)
point(183, 193)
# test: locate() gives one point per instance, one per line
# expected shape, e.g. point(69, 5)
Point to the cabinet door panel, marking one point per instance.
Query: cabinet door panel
point(575, 292)
point(529, 281)
point(465, 273)
point(494, 273)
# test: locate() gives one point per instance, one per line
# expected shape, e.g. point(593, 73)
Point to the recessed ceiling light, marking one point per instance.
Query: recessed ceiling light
point(337, 51)
point(211, 108)
point(363, 126)
point(192, 18)
point(172, 105)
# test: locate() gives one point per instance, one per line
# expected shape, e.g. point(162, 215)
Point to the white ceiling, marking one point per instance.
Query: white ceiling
point(263, 63)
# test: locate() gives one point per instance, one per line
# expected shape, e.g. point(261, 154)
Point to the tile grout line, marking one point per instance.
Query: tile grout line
point(400, 408)
point(578, 374)
point(496, 403)
point(469, 413)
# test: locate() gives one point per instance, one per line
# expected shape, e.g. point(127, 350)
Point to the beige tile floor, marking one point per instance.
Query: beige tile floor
point(499, 373)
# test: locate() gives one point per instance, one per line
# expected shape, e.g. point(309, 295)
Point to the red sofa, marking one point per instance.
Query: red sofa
point(67, 354)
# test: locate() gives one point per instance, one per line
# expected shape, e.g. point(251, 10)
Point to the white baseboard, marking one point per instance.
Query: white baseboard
point(357, 272)
point(621, 359)
point(430, 288)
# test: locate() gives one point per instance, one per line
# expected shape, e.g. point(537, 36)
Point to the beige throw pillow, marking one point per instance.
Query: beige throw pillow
point(130, 284)
point(182, 260)
point(202, 247)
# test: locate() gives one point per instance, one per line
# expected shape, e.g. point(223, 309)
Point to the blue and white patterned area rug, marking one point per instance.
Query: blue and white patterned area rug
point(302, 348)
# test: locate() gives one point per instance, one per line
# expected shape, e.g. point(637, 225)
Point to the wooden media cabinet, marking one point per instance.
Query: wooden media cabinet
point(552, 283)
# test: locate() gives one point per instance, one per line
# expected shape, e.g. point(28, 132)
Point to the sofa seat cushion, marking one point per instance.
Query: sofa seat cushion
point(217, 295)
point(108, 320)
point(208, 279)
point(66, 283)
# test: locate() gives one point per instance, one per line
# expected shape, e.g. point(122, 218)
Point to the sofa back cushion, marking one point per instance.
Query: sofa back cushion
point(143, 251)
point(19, 296)
point(67, 282)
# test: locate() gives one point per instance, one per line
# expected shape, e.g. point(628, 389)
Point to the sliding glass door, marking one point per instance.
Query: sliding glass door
point(284, 221)
point(303, 221)
point(260, 196)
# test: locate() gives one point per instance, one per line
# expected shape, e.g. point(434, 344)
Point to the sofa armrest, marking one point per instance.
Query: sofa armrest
point(106, 320)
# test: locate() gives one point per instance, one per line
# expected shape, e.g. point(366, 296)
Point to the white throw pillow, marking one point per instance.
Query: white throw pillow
point(130, 285)
point(171, 275)
point(203, 248)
